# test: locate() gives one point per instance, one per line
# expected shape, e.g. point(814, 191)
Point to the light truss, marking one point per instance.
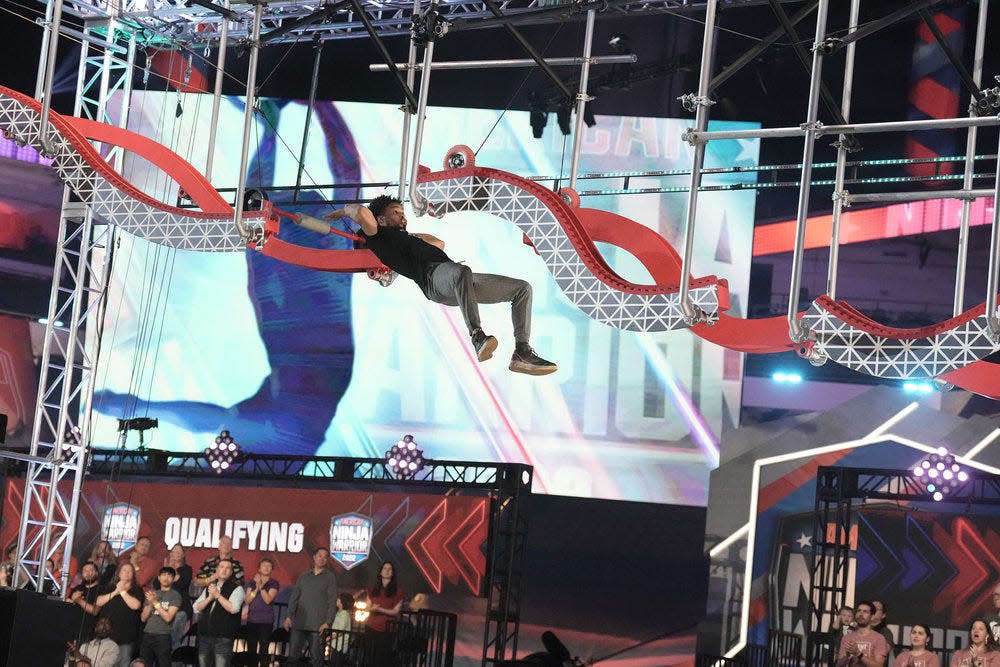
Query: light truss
point(165, 21)
point(277, 467)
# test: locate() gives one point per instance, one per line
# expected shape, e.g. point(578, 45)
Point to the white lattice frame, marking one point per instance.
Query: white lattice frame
point(650, 310)
point(898, 358)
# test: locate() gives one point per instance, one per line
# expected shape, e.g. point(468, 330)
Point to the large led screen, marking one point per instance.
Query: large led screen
point(299, 361)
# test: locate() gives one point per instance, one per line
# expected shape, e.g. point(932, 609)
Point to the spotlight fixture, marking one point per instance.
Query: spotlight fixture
point(538, 115)
point(563, 117)
point(361, 609)
point(405, 459)
point(72, 443)
point(223, 453)
point(940, 474)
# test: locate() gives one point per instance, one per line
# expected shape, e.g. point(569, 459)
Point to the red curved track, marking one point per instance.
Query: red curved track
point(654, 252)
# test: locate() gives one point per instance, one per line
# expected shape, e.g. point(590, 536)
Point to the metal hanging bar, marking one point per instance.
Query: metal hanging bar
point(993, 279)
point(411, 79)
point(50, 69)
point(923, 195)
point(220, 73)
point(701, 103)
point(570, 61)
point(795, 330)
point(417, 201)
point(845, 109)
point(313, 83)
point(582, 97)
point(244, 230)
point(961, 264)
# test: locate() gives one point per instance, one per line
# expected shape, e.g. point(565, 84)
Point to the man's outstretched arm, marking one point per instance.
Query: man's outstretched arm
point(357, 213)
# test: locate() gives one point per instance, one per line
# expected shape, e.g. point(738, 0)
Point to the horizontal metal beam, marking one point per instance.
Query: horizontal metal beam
point(277, 467)
point(515, 62)
point(835, 484)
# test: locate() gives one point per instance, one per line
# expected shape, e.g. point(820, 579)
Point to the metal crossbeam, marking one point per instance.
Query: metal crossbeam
point(276, 467)
point(198, 25)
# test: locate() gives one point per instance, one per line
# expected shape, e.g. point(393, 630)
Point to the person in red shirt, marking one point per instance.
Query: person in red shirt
point(145, 567)
point(386, 601)
point(919, 654)
point(982, 650)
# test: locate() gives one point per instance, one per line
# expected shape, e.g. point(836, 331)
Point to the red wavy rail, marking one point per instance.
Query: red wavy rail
point(653, 251)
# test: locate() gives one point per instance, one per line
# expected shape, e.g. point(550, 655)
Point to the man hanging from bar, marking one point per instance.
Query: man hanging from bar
point(421, 258)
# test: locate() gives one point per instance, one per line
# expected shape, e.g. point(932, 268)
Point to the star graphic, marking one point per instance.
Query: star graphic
point(804, 541)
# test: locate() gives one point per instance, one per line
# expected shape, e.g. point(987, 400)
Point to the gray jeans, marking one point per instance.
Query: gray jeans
point(454, 284)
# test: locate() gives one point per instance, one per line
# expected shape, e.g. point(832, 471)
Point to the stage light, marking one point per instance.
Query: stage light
point(223, 453)
point(404, 458)
point(940, 474)
point(786, 378)
point(538, 115)
point(918, 387)
point(72, 443)
point(361, 609)
point(563, 118)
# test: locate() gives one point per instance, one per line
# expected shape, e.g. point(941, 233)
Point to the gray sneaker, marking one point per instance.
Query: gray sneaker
point(485, 345)
point(524, 360)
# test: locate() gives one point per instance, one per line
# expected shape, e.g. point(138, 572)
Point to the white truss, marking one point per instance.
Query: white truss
point(894, 358)
point(178, 22)
point(100, 187)
point(649, 311)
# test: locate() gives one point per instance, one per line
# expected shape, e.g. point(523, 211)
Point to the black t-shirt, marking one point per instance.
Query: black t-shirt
point(183, 586)
point(124, 619)
point(89, 620)
point(404, 253)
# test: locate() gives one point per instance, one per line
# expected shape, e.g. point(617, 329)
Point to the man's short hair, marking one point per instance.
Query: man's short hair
point(265, 559)
point(168, 570)
point(885, 607)
point(318, 549)
point(83, 662)
point(870, 605)
point(847, 608)
point(378, 205)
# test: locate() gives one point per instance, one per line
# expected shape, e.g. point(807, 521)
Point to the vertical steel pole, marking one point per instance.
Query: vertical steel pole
point(994, 275)
point(220, 73)
point(50, 68)
point(701, 124)
point(417, 201)
point(845, 109)
point(970, 155)
point(411, 78)
point(241, 186)
point(795, 330)
point(581, 97)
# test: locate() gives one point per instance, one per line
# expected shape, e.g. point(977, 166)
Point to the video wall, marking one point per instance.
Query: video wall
point(297, 361)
